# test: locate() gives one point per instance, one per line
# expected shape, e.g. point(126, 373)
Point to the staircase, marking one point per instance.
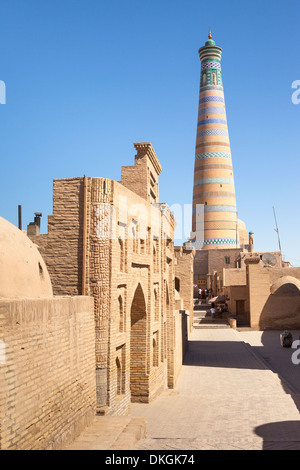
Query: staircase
point(203, 319)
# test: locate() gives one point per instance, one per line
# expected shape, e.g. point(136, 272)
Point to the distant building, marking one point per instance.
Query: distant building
point(262, 294)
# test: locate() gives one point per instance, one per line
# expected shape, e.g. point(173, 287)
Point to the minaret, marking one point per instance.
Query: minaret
point(213, 174)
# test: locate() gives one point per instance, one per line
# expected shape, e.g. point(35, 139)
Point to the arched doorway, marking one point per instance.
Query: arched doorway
point(138, 347)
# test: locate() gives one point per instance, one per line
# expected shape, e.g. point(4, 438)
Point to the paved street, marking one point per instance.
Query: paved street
point(228, 396)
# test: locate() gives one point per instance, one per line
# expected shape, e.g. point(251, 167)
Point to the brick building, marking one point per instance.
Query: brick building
point(261, 295)
point(114, 241)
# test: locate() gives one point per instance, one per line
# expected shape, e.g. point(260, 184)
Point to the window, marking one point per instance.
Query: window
point(119, 376)
point(134, 239)
point(227, 259)
point(155, 255)
point(156, 304)
point(155, 349)
point(121, 246)
point(120, 370)
point(121, 314)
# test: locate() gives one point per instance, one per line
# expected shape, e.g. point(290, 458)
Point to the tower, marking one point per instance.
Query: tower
point(214, 193)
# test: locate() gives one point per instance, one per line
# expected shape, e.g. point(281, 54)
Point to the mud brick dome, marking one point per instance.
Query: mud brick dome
point(23, 273)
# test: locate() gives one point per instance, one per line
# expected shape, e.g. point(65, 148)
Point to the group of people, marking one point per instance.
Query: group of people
point(204, 293)
point(216, 309)
point(221, 308)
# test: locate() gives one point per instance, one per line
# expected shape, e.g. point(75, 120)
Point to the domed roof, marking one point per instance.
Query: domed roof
point(286, 285)
point(241, 225)
point(210, 42)
point(23, 272)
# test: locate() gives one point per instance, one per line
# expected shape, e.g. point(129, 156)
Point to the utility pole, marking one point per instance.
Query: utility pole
point(277, 231)
point(20, 217)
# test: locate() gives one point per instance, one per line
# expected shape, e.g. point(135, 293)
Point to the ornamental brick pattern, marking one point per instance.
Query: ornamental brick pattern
point(213, 173)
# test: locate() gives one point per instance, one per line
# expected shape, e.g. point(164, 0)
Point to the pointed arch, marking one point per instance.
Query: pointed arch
point(138, 347)
point(121, 314)
point(119, 376)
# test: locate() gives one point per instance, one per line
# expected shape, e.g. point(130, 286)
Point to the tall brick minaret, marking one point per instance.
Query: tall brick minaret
point(213, 174)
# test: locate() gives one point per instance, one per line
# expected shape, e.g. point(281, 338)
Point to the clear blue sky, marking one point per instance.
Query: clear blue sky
point(87, 79)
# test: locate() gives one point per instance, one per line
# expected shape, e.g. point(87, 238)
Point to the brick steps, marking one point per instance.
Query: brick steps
point(203, 319)
point(214, 324)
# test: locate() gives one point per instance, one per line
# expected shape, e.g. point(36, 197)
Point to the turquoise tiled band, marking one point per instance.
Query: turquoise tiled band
point(214, 180)
point(211, 110)
point(218, 208)
point(212, 133)
point(200, 156)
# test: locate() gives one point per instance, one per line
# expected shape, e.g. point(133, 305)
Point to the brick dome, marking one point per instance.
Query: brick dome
point(286, 285)
point(23, 272)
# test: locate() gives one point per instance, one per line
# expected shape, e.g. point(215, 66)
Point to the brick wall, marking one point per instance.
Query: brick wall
point(219, 259)
point(142, 178)
point(207, 262)
point(277, 273)
point(234, 277)
point(62, 247)
point(258, 283)
point(184, 272)
point(47, 394)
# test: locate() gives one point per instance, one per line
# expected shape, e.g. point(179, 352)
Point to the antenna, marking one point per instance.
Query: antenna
point(276, 230)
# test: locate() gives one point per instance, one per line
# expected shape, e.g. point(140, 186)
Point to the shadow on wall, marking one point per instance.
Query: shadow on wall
point(282, 309)
point(283, 435)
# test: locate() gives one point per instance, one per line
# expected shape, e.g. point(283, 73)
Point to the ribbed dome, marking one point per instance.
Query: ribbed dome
point(23, 272)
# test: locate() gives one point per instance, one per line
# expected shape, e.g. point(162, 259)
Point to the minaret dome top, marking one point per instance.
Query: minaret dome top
point(210, 50)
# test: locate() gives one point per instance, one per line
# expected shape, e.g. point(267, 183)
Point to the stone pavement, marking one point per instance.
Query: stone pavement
point(110, 433)
point(226, 398)
point(266, 345)
point(238, 390)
